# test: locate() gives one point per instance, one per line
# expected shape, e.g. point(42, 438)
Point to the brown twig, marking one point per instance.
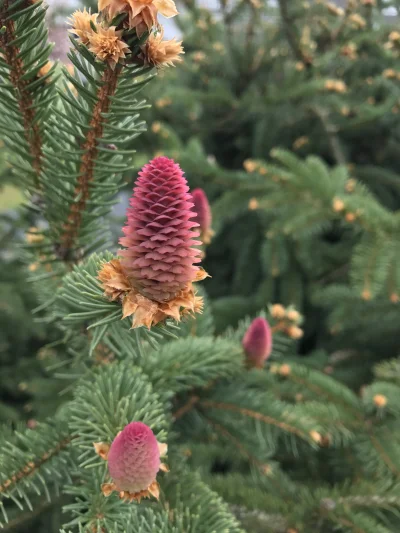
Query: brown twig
point(88, 161)
point(193, 400)
point(254, 414)
point(32, 466)
point(386, 459)
point(25, 103)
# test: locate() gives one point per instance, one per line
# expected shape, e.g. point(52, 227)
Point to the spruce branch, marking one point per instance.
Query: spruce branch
point(24, 54)
point(95, 122)
point(32, 466)
point(108, 84)
point(32, 460)
point(331, 132)
point(284, 426)
point(383, 454)
point(263, 467)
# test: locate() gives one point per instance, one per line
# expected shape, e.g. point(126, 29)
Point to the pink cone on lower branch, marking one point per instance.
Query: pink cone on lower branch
point(133, 462)
point(154, 277)
point(257, 342)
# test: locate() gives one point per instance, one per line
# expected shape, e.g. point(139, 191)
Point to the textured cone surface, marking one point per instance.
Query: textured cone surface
point(202, 209)
point(159, 256)
point(257, 341)
point(134, 458)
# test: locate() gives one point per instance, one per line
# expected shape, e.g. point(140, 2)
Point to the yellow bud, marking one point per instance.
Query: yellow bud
point(295, 332)
point(300, 142)
point(394, 36)
point(338, 205)
point(316, 437)
point(218, 47)
point(389, 73)
point(366, 294)
point(380, 400)
point(274, 368)
point(33, 236)
point(278, 311)
point(350, 185)
point(284, 370)
point(335, 10)
point(199, 57)
point(250, 165)
point(357, 21)
point(350, 217)
point(253, 204)
point(293, 315)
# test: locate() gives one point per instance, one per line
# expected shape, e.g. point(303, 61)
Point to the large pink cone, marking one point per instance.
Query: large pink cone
point(159, 258)
point(134, 458)
point(202, 210)
point(257, 342)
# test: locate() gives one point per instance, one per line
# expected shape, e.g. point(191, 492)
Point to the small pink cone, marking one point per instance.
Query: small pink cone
point(257, 342)
point(134, 458)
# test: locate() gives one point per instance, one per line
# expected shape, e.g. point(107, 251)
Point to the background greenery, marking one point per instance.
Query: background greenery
point(287, 116)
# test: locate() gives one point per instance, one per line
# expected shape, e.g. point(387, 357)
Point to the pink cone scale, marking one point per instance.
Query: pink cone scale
point(257, 342)
point(203, 214)
point(134, 458)
point(159, 258)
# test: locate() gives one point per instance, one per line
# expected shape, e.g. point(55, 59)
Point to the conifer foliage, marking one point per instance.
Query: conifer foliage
point(151, 419)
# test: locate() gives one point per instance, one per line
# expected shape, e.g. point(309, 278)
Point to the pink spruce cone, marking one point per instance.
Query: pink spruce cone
point(134, 458)
point(257, 342)
point(203, 214)
point(159, 258)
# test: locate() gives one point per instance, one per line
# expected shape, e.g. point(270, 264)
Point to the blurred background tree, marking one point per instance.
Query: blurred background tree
point(264, 86)
point(314, 78)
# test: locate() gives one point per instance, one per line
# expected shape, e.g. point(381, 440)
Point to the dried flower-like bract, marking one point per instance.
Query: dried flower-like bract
point(160, 53)
point(81, 24)
point(257, 342)
point(154, 278)
point(203, 215)
point(142, 13)
point(133, 462)
point(107, 45)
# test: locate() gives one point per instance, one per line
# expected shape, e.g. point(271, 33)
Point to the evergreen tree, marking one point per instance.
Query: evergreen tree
point(316, 80)
point(133, 364)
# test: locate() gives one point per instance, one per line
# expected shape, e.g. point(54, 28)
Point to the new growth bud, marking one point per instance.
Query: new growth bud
point(257, 342)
